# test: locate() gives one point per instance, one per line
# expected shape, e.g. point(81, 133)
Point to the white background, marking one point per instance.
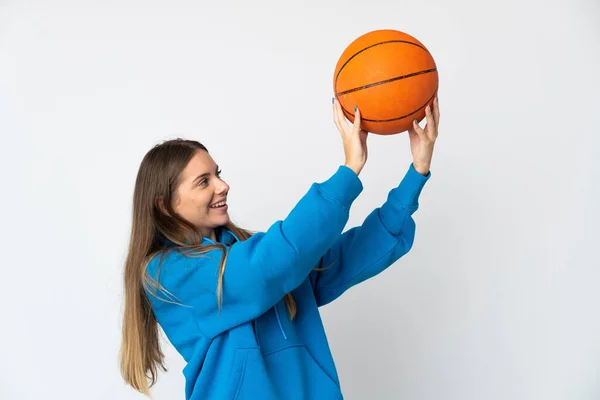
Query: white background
point(498, 299)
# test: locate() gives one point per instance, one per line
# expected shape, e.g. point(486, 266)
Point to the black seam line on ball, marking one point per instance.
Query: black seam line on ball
point(393, 119)
point(374, 45)
point(397, 78)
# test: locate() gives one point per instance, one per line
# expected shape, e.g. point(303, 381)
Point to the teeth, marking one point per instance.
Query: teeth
point(222, 203)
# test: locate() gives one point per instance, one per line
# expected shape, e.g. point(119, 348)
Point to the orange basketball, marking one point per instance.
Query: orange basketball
point(390, 76)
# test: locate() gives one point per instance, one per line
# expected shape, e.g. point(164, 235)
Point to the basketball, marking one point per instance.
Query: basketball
point(390, 76)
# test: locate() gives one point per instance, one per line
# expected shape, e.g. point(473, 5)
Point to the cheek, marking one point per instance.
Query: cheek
point(201, 204)
point(192, 207)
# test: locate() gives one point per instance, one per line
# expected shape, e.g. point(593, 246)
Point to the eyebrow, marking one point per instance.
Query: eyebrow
point(204, 174)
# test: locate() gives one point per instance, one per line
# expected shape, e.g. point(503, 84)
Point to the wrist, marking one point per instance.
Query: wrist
point(422, 169)
point(354, 167)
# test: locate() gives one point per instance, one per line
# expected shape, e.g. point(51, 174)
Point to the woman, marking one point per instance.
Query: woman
point(242, 308)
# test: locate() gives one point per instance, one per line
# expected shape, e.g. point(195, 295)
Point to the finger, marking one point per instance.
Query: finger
point(413, 137)
point(337, 116)
point(430, 128)
point(436, 111)
point(335, 110)
point(335, 119)
point(356, 125)
point(411, 131)
point(417, 129)
point(344, 119)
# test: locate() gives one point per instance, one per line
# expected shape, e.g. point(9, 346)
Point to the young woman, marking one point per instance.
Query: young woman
point(242, 308)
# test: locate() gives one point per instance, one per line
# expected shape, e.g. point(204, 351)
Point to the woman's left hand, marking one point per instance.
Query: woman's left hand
point(422, 140)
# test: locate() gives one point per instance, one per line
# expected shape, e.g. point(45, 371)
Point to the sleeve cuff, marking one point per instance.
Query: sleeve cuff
point(344, 186)
point(409, 190)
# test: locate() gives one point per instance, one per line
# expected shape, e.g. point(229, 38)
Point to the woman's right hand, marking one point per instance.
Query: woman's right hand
point(353, 138)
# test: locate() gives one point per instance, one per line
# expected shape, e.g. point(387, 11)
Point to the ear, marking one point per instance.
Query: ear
point(160, 203)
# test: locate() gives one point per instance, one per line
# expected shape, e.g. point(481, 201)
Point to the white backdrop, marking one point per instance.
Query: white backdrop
point(497, 299)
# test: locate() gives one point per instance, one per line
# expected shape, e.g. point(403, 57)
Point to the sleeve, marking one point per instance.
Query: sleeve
point(364, 251)
point(261, 270)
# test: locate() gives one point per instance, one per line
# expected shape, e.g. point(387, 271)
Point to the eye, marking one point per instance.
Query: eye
point(218, 173)
point(203, 182)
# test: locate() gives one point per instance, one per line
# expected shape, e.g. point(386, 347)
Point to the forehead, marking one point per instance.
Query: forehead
point(201, 163)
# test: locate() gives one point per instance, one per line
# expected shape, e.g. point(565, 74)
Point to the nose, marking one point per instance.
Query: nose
point(223, 187)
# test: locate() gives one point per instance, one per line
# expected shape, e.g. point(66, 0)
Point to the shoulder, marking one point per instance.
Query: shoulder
point(177, 261)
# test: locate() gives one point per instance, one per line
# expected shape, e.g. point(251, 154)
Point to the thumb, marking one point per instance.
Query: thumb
point(363, 136)
point(418, 130)
point(412, 134)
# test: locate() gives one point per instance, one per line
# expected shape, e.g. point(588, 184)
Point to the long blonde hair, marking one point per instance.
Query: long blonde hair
point(153, 222)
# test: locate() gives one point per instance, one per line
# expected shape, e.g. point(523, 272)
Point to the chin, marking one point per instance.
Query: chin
point(223, 221)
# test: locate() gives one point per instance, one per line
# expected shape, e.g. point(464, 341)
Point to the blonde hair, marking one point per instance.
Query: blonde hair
point(153, 222)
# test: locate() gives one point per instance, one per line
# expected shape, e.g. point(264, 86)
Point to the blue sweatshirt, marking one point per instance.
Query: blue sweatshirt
point(249, 349)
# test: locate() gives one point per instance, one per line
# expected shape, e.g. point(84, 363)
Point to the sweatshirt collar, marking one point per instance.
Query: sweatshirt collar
point(224, 236)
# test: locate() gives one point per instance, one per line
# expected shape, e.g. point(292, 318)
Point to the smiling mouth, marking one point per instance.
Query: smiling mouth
point(220, 204)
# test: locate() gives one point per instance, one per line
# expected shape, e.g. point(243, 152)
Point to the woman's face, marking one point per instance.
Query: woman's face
point(202, 195)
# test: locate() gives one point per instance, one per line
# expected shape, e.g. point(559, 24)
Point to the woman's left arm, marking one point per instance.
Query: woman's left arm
point(387, 233)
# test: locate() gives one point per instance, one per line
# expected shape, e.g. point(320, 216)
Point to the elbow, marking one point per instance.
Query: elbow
point(407, 235)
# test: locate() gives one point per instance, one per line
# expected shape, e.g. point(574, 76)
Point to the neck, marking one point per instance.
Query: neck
point(210, 234)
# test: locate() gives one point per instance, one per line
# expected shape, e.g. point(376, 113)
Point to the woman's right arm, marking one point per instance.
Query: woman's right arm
point(261, 270)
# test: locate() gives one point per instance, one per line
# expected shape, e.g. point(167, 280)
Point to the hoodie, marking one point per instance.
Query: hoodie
point(248, 348)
